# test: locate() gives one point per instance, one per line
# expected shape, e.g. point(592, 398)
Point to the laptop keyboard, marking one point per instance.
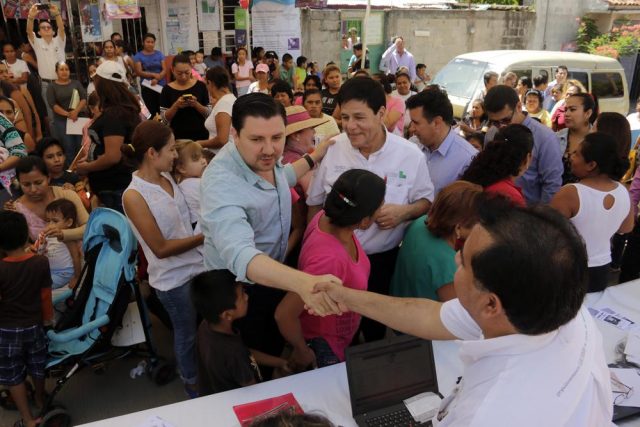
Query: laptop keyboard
point(399, 418)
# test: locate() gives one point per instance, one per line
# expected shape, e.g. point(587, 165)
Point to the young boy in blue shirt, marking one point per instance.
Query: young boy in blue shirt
point(224, 361)
point(25, 305)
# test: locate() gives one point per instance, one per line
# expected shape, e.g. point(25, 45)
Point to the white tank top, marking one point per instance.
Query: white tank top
point(172, 217)
point(596, 224)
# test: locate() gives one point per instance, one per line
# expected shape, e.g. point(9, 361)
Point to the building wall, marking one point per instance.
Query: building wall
point(443, 34)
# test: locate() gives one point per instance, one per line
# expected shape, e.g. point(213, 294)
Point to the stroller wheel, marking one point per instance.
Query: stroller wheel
point(57, 417)
point(163, 373)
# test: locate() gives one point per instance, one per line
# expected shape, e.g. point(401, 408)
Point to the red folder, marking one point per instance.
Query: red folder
point(250, 412)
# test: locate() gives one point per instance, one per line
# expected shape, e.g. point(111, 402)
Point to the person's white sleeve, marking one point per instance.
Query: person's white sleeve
point(234, 68)
point(387, 53)
point(191, 190)
point(423, 186)
point(458, 321)
point(316, 193)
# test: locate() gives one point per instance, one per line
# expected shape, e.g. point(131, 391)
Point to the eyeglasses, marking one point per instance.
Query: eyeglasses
point(505, 121)
point(45, 27)
point(620, 390)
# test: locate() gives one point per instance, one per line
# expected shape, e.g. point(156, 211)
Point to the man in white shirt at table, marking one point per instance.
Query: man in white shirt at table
point(531, 355)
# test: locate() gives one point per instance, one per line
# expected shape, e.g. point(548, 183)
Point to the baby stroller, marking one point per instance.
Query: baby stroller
point(95, 309)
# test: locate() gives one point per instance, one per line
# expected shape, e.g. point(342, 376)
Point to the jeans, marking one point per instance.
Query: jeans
point(70, 143)
point(324, 354)
point(178, 304)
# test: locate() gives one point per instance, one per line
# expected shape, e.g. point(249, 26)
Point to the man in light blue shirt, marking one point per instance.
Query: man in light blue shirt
point(246, 215)
point(397, 56)
point(448, 154)
point(543, 179)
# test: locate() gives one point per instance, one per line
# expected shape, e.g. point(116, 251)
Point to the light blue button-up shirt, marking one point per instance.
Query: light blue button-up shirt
point(449, 161)
point(242, 214)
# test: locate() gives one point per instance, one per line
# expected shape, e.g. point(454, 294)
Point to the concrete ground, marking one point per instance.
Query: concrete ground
point(91, 396)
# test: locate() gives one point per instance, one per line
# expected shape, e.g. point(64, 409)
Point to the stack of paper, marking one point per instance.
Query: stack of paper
point(423, 407)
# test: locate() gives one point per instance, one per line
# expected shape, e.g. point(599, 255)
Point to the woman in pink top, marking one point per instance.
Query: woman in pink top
point(502, 162)
point(394, 113)
point(330, 246)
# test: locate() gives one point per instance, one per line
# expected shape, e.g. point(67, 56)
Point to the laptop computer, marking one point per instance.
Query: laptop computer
point(384, 373)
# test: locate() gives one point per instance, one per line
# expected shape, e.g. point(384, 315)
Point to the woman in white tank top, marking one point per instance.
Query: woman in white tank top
point(158, 213)
point(598, 205)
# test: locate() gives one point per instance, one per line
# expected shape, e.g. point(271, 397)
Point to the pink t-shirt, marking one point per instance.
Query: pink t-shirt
point(243, 71)
point(322, 253)
point(397, 104)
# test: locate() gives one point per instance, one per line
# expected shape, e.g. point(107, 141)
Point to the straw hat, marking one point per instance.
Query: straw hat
point(298, 118)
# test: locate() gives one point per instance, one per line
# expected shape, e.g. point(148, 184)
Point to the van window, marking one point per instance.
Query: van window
point(522, 73)
point(580, 76)
point(461, 77)
point(607, 85)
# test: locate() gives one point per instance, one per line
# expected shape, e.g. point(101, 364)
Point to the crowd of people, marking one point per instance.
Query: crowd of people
point(267, 198)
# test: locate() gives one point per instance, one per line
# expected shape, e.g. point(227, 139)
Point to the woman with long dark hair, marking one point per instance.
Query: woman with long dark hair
point(159, 215)
point(102, 161)
point(598, 205)
point(502, 161)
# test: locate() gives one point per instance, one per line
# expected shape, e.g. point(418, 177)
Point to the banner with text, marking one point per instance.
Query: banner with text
point(276, 26)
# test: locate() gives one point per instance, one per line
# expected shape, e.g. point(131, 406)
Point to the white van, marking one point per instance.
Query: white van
point(602, 76)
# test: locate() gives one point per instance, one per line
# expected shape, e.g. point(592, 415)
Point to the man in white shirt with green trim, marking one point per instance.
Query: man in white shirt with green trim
point(532, 356)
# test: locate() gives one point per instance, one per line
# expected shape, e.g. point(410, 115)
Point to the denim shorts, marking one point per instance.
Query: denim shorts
point(61, 276)
point(22, 350)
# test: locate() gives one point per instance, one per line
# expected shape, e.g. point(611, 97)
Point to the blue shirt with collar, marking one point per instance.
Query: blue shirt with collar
point(242, 214)
point(449, 161)
point(543, 179)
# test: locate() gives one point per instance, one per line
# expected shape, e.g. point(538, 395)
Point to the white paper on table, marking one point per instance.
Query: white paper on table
point(156, 87)
point(75, 128)
point(131, 332)
point(630, 379)
point(424, 406)
point(155, 421)
point(612, 317)
point(632, 348)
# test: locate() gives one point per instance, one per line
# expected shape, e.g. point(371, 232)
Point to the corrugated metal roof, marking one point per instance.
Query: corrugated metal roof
point(624, 3)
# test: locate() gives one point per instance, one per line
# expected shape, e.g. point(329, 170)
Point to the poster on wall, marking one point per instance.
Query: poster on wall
point(93, 23)
point(20, 9)
point(181, 26)
point(122, 9)
point(276, 26)
point(208, 15)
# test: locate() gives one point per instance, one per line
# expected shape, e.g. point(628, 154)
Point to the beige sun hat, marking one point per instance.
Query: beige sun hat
point(298, 118)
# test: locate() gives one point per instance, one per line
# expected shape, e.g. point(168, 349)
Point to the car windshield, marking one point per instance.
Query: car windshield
point(460, 77)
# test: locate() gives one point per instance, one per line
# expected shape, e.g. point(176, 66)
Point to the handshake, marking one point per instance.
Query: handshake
point(324, 296)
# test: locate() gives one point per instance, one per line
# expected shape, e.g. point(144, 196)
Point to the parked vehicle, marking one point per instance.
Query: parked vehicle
point(602, 76)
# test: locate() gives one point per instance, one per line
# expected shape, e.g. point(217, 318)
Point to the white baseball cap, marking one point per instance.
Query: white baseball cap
point(113, 71)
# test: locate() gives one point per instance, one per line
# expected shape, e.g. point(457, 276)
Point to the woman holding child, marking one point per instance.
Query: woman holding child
point(161, 221)
point(33, 176)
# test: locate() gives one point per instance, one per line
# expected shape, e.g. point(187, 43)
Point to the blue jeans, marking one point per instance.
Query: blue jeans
point(178, 304)
point(70, 143)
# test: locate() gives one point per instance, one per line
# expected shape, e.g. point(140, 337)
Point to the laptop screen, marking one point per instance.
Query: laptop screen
point(386, 372)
